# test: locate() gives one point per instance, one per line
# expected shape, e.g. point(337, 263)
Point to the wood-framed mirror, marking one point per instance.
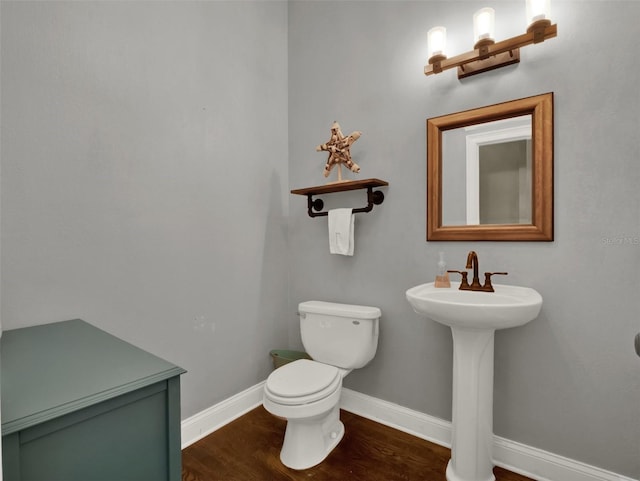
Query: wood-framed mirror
point(490, 173)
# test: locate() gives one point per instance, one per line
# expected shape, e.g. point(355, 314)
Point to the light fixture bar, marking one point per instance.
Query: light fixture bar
point(475, 61)
point(495, 61)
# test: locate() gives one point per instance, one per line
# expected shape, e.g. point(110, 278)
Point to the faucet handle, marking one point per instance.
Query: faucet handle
point(487, 279)
point(465, 283)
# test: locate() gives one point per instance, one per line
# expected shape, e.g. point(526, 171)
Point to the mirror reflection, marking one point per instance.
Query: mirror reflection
point(486, 173)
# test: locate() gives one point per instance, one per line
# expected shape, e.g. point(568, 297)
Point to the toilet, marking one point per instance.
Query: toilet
point(339, 338)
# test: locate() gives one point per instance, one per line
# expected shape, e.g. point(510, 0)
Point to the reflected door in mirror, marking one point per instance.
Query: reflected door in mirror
point(486, 173)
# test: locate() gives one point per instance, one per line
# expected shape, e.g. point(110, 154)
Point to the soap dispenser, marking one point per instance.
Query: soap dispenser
point(442, 276)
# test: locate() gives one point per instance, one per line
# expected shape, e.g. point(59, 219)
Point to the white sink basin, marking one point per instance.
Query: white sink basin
point(508, 306)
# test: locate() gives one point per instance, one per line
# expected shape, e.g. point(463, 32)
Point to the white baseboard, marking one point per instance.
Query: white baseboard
point(422, 425)
point(519, 458)
point(213, 418)
point(545, 466)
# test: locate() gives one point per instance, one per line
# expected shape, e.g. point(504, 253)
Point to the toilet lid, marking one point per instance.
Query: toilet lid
point(303, 381)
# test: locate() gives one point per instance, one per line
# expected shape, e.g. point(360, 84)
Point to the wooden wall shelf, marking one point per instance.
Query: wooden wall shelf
point(373, 197)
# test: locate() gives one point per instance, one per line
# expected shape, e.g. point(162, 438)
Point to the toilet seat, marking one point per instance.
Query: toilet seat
point(302, 382)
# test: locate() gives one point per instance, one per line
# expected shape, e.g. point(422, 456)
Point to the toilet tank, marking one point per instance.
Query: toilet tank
point(342, 335)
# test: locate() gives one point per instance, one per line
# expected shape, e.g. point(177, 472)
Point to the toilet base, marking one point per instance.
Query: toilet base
point(307, 442)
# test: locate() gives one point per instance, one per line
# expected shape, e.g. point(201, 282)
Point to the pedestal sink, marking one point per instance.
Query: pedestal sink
point(473, 318)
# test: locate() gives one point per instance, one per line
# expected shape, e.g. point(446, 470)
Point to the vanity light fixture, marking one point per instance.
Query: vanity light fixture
point(487, 54)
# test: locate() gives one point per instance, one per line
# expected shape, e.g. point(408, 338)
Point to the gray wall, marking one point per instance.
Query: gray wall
point(144, 179)
point(145, 189)
point(454, 177)
point(568, 382)
point(503, 178)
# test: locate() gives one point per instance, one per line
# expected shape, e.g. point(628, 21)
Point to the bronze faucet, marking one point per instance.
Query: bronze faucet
point(472, 262)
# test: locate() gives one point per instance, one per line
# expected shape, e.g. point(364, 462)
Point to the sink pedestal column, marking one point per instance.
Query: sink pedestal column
point(472, 412)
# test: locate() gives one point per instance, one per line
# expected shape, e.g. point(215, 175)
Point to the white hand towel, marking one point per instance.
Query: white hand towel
point(341, 227)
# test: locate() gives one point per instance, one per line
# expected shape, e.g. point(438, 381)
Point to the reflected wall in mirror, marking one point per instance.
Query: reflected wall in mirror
point(490, 172)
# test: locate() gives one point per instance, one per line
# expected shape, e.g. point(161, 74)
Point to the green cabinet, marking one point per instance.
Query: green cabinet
point(80, 404)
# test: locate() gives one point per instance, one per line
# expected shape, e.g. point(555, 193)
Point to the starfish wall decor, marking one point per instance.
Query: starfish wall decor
point(338, 147)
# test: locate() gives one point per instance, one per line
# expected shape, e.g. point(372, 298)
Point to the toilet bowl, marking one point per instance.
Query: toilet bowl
point(307, 394)
point(339, 337)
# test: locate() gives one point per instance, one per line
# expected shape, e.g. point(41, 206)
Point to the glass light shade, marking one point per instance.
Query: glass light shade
point(538, 10)
point(437, 41)
point(484, 21)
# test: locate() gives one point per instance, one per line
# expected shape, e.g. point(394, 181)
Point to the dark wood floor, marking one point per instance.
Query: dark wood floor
point(248, 449)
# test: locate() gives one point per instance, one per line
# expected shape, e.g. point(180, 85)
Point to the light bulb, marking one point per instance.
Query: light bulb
point(437, 41)
point(538, 10)
point(484, 24)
